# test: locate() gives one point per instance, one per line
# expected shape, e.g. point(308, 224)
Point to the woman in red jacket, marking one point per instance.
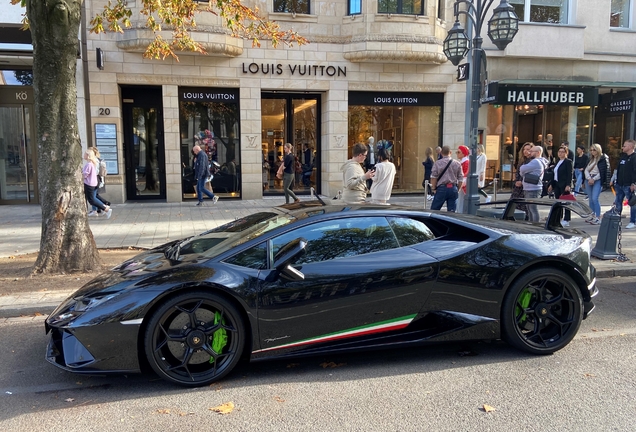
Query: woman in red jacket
point(462, 155)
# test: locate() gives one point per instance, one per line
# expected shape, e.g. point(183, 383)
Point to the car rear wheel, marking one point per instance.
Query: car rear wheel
point(194, 339)
point(542, 311)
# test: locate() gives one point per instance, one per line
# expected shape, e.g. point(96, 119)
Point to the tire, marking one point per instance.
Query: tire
point(542, 311)
point(194, 339)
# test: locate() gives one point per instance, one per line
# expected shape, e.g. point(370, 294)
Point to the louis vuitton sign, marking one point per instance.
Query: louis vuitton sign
point(294, 69)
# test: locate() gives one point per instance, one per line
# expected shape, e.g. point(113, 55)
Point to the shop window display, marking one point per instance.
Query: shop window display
point(404, 131)
point(294, 119)
point(214, 126)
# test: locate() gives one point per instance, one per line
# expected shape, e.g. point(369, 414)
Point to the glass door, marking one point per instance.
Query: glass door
point(294, 119)
point(143, 144)
point(18, 177)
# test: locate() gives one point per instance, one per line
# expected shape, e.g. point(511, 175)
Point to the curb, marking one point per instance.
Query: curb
point(610, 273)
point(12, 312)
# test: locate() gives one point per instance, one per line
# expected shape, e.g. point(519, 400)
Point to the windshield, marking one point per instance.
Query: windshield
point(221, 239)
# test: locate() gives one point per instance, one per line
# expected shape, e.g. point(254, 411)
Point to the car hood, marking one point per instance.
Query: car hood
point(131, 273)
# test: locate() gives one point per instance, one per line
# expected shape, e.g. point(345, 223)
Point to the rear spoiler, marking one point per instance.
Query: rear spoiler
point(556, 209)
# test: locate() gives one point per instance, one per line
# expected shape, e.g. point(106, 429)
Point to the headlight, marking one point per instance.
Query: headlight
point(85, 303)
point(76, 307)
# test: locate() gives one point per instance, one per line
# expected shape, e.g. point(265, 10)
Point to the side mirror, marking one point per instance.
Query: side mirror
point(286, 255)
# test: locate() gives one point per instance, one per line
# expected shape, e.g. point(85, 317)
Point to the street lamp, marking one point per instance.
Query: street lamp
point(502, 28)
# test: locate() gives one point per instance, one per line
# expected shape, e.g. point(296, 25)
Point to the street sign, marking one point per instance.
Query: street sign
point(463, 72)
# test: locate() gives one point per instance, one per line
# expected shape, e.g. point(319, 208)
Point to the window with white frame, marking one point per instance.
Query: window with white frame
point(292, 6)
point(620, 13)
point(543, 11)
point(355, 7)
point(401, 7)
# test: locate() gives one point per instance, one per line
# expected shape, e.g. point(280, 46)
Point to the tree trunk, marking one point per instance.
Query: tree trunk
point(67, 243)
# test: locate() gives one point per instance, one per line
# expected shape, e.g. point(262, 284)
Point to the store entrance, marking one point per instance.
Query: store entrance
point(18, 173)
point(144, 149)
point(295, 119)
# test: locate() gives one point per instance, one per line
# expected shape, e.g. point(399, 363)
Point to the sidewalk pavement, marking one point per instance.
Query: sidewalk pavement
point(146, 225)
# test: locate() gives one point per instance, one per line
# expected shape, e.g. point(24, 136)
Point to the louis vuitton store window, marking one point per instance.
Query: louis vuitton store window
point(209, 117)
point(291, 118)
point(404, 124)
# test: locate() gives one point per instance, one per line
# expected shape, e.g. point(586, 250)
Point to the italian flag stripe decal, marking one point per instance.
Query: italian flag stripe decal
point(381, 327)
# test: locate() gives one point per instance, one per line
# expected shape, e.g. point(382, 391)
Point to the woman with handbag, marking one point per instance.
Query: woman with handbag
point(517, 189)
point(532, 174)
point(562, 181)
point(595, 171)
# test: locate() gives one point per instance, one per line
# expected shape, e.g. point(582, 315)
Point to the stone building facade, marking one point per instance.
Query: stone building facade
point(372, 69)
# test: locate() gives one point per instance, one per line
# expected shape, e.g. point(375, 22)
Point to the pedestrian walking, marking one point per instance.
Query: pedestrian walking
point(201, 175)
point(482, 162)
point(428, 167)
point(101, 170)
point(446, 178)
point(595, 172)
point(288, 173)
point(625, 185)
point(580, 162)
point(89, 174)
point(383, 179)
point(462, 156)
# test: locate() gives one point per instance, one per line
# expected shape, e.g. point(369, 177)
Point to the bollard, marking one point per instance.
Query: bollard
point(426, 182)
point(494, 181)
point(607, 236)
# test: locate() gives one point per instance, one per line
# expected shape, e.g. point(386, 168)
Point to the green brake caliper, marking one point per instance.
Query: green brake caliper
point(524, 301)
point(219, 340)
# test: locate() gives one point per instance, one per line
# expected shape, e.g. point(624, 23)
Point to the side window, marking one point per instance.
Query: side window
point(354, 7)
point(410, 231)
point(254, 257)
point(544, 11)
point(292, 6)
point(340, 238)
point(405, 7)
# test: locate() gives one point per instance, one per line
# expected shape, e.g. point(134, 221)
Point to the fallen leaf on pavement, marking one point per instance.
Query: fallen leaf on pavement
point(292, 365)
point(163, 411)
point(69, 400)
point(226, 408)
point(279, 399)
point(588, 375)
point(331, 365)
point(488, 408)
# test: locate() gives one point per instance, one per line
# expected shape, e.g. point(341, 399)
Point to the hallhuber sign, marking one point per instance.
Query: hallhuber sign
point(574, 96)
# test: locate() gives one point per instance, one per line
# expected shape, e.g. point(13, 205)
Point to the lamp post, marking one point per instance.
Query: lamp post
point(502, 28)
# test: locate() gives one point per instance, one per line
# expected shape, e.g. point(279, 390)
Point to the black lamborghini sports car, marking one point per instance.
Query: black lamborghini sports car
point(308, 278)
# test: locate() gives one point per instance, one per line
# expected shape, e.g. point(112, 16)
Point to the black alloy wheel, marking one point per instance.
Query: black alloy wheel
point(542, 311)
point(194, 339)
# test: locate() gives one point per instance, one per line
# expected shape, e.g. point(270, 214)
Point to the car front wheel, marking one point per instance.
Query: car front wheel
point(542, 311)
point(194, 339)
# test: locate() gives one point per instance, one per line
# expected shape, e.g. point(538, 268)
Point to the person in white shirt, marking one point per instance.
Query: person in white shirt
point(481, 171)
point(383, 179)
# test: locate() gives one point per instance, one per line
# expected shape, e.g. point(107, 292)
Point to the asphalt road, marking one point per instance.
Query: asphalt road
point(588, 386)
